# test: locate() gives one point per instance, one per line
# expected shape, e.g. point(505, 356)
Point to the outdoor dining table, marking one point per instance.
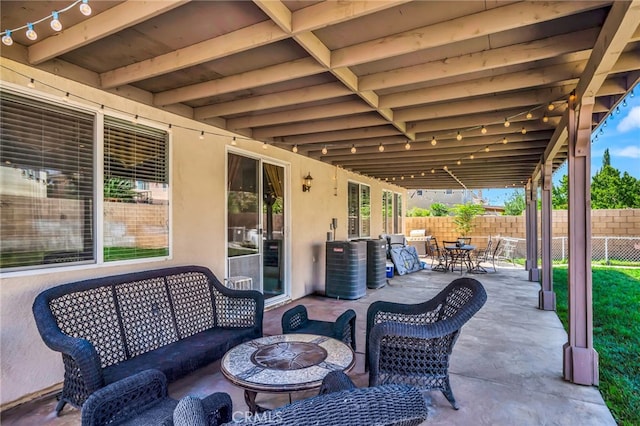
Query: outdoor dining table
point(459, 253)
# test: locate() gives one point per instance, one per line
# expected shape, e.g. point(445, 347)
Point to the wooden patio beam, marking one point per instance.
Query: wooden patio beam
point(117, 18)
point(464, 28)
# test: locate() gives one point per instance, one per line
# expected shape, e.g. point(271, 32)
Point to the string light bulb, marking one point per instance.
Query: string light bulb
point(486, 148)
point(529, 115)
point(433, 141)
point(233, 141)
point(545, 119)
point(459, 136)
point(85, 9)
point(483, 130)
point(445, 168)
point(471, 157)
point(506, 122)
point(324, 150)
point(422, 174)
point(407, 146)
point(31, 83)
point(295, 149)
point(504, 140)
point(402, 177)
point(202, 135)
point(6, 38)
point(65, 98)
point(551, 106)
point(433, 171)
point(458, 162)
point(381, 147)
point(617, 110)
point(624, 103)
point(265, 145)
point(353, 149)
point(56, 25)
point(31, 33)
point(572, 96)
point(523, 131)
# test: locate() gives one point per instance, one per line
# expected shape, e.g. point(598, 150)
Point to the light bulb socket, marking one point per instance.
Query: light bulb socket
point(85, 9)
point(56, 25)
point(6, 38)
point(31, 33)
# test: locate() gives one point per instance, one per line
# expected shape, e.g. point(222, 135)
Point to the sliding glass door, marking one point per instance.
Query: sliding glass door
point(256, 219)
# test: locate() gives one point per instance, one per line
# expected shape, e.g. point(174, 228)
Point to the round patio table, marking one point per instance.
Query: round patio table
point(284, 363)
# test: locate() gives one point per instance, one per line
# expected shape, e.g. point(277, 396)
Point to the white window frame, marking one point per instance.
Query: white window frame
point(98, 176)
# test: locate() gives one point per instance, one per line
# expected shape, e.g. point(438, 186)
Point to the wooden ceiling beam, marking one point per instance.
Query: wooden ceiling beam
point(261, 77)
point(464, 28)
point(448, 157)
point(620, 26)
point(556, 74)
point(117, 18)
point(515, 54)
point(617, 30)
point(341, 135)
point(493, 102)
point(227, 44)
point(273, 100)
point(324, 14)
point(361, 121)
point(515, 116)
point(312, 113)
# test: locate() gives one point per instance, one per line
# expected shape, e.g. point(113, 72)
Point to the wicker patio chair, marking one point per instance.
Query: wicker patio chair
point(296, 320)
point(340, 404)
point(411, 344)
point(142, 399)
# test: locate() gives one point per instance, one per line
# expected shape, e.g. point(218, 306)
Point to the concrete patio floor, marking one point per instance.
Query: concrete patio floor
point(506, 367)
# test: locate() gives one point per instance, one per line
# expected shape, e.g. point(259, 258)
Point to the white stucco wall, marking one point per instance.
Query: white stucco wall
point(198, 215)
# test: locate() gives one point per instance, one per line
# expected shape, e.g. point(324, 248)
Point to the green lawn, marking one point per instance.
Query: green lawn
point(616, 335)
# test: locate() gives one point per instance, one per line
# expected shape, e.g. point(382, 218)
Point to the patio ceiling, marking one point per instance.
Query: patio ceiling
point(339, 75)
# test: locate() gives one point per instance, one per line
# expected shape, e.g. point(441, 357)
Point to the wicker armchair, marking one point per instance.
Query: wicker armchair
point(340, 403)
point(411, 344)
point(142, 399)
point(296, 320)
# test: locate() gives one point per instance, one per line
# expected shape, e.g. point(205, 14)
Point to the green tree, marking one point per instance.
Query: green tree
point(439, 209)
point(418, 212)
point(516, 204)
point(630, 191)
point(464, 214)
point(560, 194)
point(606, 185)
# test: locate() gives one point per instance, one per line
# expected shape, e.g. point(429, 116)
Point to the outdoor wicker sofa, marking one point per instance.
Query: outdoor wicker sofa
point(175, 319)
point(411, 344)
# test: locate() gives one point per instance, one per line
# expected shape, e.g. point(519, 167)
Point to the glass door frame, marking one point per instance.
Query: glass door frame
point(286, 264)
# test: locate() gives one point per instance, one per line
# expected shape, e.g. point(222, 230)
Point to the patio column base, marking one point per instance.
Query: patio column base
point(580, 365)
point(534, 275)
point(547, 300)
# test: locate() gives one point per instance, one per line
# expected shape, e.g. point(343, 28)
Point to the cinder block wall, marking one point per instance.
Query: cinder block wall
point(610, 223)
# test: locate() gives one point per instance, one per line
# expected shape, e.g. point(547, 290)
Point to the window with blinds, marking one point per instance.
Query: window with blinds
point(46, 184)
point(48, 190)
point(136, 191)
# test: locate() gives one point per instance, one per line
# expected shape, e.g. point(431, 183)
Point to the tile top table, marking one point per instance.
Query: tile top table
point(284, 363)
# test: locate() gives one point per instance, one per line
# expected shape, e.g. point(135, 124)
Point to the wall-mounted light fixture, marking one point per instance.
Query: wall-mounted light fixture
point(306, 185)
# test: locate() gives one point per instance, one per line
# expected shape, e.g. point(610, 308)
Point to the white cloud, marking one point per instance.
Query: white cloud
point(631, 121)
point(627, 151)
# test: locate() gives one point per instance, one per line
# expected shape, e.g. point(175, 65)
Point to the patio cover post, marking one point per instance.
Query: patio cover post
point(546, 296)
point(580, 358)
point(531, 215)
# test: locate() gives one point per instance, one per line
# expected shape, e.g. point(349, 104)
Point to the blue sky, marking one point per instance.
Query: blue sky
point(621, 135)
